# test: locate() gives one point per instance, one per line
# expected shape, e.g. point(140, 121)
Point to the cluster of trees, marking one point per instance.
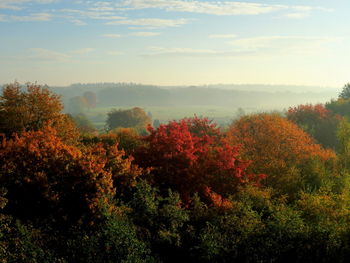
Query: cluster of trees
point(270, 188)
point(80, 104)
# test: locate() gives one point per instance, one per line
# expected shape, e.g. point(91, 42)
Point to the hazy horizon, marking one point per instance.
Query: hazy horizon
point(175, 42)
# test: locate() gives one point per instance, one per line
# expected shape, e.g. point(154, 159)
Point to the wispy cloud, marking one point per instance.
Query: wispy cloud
point(92, 13)
point(255, 46)
point(114, 53)
point(112, 35)
point(151, 22)
point(144, 34)
point(306, 45)
point(26, 18)
point(41, 54)
point(78, 22)
point(213, 8)
point(19, 4)
point(191, 52)
point(224, 36)
point(83, 51)
point(299, 15)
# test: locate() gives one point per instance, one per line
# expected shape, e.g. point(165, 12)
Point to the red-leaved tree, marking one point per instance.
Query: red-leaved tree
point(192, 156)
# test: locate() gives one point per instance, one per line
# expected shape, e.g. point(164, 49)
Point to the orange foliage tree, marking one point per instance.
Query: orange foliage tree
point(276, 146)
point(192, 156)
point(46, 178)
point(32, 109)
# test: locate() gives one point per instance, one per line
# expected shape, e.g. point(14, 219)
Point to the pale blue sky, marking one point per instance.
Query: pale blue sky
point(175, 42)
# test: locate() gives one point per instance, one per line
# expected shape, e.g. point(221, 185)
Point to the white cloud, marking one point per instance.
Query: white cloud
point(112, 35)
point(215, 7)
point(151, 22)
point(224, 36)
point(144, 34)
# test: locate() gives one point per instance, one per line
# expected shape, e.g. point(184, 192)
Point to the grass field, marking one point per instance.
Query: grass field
point(220, 115)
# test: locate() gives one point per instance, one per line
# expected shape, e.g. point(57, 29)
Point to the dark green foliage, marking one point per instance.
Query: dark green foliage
point(114, 239)
point(22, 243)
point(160, 220)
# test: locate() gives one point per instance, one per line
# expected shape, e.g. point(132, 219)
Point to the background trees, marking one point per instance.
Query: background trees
point(133, 118)
point(91, 99)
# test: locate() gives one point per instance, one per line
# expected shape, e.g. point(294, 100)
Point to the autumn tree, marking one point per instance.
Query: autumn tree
point(317, 121)
point(277, 147)
point(46, 178)
point(27, 110)
point(132, 118)
point(192, 156)
point(32, 108)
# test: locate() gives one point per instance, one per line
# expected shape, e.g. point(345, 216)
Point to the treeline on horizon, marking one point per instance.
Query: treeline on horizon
point(257, 96)
point(269, 188)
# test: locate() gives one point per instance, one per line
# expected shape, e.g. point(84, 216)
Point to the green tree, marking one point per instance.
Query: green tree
point(345, 93)
point(83, 123)
point(132, 118)
point(318, 121)
point(77, 104)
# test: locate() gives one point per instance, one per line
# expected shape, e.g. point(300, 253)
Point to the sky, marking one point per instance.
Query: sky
point(175, 42)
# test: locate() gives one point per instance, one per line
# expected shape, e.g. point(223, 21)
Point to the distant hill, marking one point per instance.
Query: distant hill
point(256, 96)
